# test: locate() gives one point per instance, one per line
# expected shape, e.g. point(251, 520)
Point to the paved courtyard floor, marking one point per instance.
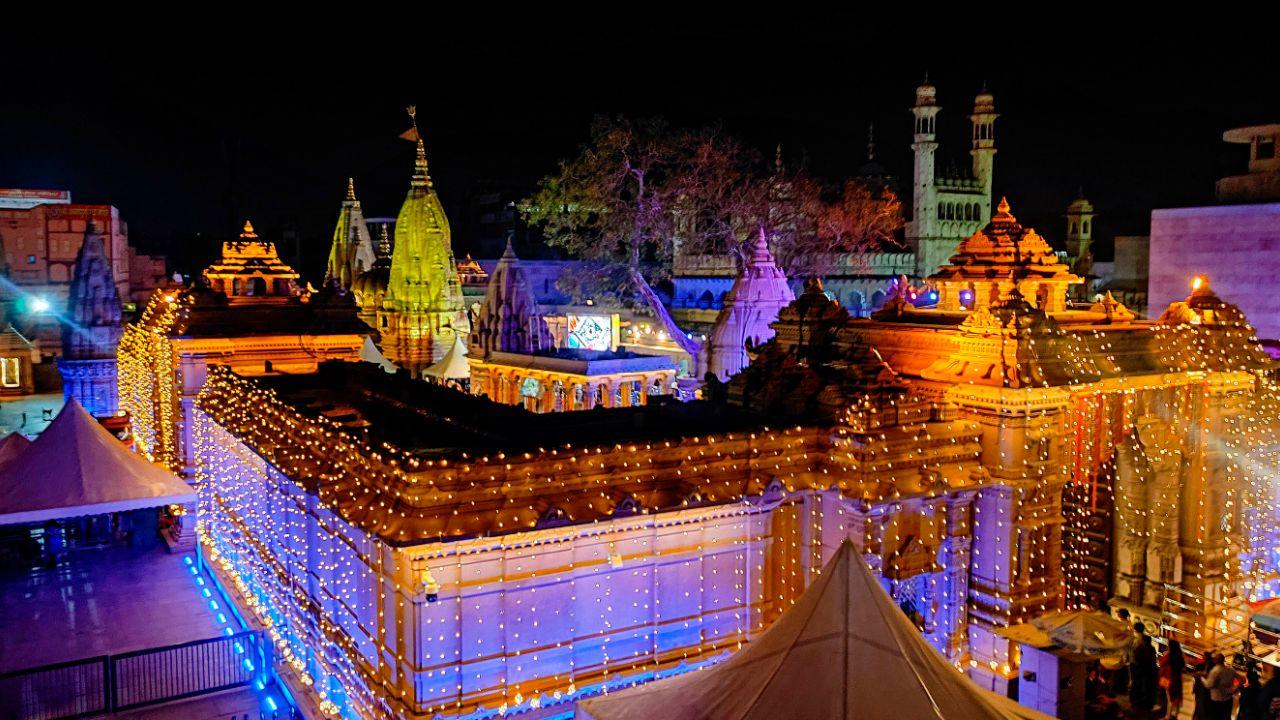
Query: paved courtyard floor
point(237, 704)
point(27, 415)
point(103, 601)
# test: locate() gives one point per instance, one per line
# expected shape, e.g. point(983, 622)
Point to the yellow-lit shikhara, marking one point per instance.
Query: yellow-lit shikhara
point(458, 554)
point(422, 309)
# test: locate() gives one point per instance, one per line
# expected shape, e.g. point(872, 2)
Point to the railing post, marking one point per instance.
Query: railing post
point(109, 682)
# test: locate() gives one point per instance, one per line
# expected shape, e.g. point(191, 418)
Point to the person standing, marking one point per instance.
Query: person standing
point(1221, 682)
point(1121, 678)
point(1172, 663)
point(1142, 674)
point(1251, 707)
point(1270, 700)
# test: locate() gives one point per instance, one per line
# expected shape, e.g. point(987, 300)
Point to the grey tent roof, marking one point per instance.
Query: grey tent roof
point(76, 467)
point(844, 650)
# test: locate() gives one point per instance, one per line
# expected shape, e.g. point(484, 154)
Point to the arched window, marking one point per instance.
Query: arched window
point(1074, 227)
point(856, 302)
point(942, 212)
point(1085, 227)
point(257, 287)
point(877, 299)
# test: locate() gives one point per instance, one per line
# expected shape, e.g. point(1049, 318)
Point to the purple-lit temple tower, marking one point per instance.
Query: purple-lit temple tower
point(91, 330)
point(750, 306)
point(509, 319)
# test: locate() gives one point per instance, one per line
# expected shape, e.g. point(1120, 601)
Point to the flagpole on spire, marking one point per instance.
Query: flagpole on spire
point(420, 176)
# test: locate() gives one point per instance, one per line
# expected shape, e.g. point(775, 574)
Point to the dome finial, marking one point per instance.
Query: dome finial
point(1003, 207)
point(871, 141)
point(247, 233)
point(351, 189)
point(777, 159)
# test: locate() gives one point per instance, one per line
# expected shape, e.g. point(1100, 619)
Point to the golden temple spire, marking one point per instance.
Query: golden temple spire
point(247, 233)
point(351, 189)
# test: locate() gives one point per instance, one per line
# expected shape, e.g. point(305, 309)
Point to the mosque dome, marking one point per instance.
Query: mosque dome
point(1080, 205)
point(984, 102)
point(926, 94)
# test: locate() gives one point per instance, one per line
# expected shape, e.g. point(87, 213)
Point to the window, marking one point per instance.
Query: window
point(9, 372)
point(1265, 149)
point(1084, 228)
point(31, 259)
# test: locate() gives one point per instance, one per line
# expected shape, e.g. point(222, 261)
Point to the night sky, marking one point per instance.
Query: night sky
point(191, 122)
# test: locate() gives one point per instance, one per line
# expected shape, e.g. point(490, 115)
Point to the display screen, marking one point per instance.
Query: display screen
point(590, 332)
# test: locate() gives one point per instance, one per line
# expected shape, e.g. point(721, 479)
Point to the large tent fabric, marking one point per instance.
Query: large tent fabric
point(76, 467)
point(844, 650)
point(453, 366)
point(11, 446)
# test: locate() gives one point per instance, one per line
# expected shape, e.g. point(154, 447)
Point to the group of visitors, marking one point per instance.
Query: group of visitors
point(1154, 682)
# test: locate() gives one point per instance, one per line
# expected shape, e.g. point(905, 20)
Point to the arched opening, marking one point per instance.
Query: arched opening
point(257, 286)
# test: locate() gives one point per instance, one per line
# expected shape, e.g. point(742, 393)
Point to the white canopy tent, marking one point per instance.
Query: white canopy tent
point(453, 366)
point(844, 650)
point(370, 353)
point(76, 467)
point(11, 446)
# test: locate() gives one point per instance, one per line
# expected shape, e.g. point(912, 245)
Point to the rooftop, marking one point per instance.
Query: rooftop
point(435, 421)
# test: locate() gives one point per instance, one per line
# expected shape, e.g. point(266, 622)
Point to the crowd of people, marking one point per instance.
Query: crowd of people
point(1153, 682)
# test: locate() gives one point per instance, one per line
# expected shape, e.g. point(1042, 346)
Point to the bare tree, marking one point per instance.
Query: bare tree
point(639, 190)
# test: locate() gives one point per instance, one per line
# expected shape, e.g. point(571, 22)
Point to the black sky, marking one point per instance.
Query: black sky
point(193, 117)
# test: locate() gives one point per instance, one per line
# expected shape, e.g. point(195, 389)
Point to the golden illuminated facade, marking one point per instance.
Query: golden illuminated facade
point(992, 463)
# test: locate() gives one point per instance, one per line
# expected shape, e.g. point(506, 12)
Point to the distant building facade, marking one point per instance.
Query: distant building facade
point(41, 232)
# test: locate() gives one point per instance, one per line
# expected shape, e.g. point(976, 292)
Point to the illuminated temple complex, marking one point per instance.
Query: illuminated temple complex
point(416, 551)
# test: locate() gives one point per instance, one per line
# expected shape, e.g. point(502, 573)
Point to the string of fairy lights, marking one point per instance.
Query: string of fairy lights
point(337, 541)
point(147, 377)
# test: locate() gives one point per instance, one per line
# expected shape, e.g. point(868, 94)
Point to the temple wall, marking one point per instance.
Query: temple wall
point(535, 619)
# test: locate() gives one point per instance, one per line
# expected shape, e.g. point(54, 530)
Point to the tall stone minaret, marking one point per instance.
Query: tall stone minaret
point(1079, 241)
point(91, 330)
point(984, 145)
point(924, 207)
